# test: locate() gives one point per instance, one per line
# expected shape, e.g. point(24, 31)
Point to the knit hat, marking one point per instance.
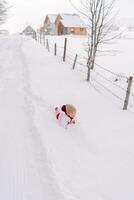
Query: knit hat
point(70, 109)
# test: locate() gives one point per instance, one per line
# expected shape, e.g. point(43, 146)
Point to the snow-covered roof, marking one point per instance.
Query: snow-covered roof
point(52, 17)
point(29, 29)
point(72, 20)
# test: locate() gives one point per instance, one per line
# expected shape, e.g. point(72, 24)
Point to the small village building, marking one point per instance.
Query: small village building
point(70, 24)
point(49, 24)
point(29, 31)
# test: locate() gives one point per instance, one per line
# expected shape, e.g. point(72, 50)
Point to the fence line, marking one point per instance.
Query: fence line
point(108, 89)
point(71, 56)
point(109, 80)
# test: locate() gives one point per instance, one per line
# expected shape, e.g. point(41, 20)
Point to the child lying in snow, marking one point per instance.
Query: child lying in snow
point(66, 115)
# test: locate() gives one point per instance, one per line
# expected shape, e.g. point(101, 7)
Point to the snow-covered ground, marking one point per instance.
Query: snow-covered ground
point(25, 171)
point(116, 56)
point(41, 160)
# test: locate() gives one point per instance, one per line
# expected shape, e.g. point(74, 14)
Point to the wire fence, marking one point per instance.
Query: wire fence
point(100, 72)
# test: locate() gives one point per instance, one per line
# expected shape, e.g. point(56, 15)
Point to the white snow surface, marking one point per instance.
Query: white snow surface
point(93, 159)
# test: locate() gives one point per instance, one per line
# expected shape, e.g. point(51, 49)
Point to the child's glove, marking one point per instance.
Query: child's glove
point(56, 108)
point(71, 122)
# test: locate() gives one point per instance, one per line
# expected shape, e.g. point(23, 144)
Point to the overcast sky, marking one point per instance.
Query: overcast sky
point(33, 12)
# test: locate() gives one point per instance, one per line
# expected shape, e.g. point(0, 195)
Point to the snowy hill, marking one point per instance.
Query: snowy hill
point(40, 159)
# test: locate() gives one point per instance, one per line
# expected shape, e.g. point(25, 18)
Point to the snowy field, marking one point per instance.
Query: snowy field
point(119, 57)
point(93, 159)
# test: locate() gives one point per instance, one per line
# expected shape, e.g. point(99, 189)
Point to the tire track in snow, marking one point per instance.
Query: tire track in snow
point(29, 99)
point(74, 165)
point(25, 171)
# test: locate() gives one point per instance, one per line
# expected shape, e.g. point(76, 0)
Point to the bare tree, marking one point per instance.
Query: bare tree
point(3, 11)
point(100, 23)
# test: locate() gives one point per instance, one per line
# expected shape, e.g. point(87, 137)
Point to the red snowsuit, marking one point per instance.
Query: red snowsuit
point(63, 117)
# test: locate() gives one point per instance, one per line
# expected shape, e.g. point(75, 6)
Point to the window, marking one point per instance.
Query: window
point(72, 30)
point(81, 29)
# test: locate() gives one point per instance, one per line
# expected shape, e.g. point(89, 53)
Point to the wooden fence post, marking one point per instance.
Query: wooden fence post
point(46, 43)
point(128, 93)
point(65, 46)
point(75, 61)
point(47, 46)
point(55, 49)
point(40, 37)
point(35, 36)
point(44, 38)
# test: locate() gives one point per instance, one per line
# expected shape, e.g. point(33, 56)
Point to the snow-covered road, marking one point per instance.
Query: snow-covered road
point(25, 171)
point(41, 160)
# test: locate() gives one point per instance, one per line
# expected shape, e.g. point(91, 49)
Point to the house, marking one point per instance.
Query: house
point(29, 31)
point(70, 24)
point(49, 24)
